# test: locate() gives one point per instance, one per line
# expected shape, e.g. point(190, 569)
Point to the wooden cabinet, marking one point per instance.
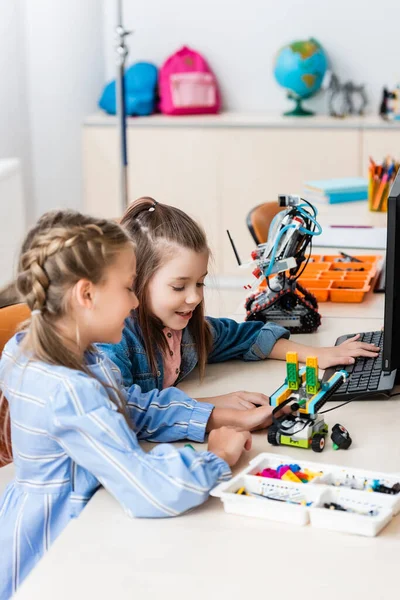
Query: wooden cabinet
point(217, 168)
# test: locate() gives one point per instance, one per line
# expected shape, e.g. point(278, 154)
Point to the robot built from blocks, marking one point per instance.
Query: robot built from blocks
point(304, 428)
point(280, 298)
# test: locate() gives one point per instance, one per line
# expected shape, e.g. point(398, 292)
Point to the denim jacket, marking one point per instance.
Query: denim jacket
point(251, 340)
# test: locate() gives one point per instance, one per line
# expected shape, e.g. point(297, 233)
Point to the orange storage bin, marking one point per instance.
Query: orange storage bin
point(318, 287)
point(332, 276)
point(349, 291)
point(353, 267)
point(364, 258)
point(317, 266)
point(337, 281)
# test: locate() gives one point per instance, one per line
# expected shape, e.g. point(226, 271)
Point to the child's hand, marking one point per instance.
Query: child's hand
point(345, 353)
point(250, 420)
point(260, 418)
point(238, 400)
point(228, 443)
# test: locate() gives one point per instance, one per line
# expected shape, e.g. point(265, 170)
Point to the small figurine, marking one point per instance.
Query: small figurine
point(390, 106)
point(341, 97)
point(305, 428)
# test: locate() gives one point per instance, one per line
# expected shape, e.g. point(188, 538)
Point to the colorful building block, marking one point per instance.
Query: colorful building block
point(292, 370)
point(290, 476)
point(312, 383)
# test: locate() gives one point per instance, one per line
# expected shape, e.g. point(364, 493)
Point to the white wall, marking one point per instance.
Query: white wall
point(240, 38)
point(14, 122)
point(64, 65)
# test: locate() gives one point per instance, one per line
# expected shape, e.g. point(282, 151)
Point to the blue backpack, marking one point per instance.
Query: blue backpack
point(140, 91)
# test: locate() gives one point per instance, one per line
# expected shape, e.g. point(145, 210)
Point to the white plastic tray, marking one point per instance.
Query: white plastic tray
point(302, 503)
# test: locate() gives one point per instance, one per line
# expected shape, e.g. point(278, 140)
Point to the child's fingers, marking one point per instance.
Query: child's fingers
point(365, 346)
point(246, 405)
point(255, 398)
point(350, 340)
point(364, 352)
point(248, 442)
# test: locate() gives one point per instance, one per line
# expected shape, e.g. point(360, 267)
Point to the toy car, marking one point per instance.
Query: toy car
point(299, 431)
point(305, 428)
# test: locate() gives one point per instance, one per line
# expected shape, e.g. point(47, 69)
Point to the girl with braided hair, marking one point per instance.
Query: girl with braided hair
point(74, 426)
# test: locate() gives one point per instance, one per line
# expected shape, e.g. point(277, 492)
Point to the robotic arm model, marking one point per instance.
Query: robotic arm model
point(282, 299)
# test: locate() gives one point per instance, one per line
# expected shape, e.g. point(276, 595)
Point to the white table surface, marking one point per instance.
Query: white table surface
point(210, 554)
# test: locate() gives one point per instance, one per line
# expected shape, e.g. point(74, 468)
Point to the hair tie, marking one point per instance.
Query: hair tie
point(36, 312)
point(152, 208)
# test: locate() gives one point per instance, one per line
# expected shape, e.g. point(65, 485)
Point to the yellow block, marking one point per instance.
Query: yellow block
point(290, 476)
point(312, 361)
point(292, 357)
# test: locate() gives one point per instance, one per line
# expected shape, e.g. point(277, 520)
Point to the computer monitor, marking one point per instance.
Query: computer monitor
point(391, 336)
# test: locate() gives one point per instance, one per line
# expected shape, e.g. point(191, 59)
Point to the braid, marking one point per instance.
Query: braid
point(46, 245)
point(63, 248)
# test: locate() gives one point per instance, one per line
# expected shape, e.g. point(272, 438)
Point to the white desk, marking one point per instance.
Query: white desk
point(210, 554)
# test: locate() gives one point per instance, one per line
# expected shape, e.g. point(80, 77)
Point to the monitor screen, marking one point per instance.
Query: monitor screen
point(391, 339)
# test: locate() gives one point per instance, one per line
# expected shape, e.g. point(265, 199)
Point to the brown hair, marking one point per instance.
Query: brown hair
point(9, 293)
point(62, 248)
point(154, 227)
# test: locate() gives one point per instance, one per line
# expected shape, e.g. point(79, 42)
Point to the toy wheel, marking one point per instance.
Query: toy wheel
point(341, 437)
point(273, 435)
point(318, 443)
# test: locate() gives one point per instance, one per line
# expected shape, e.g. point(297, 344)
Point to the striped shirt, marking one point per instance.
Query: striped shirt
point(68, 439)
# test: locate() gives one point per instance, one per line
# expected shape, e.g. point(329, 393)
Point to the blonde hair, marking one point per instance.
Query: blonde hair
point(57, 253)
point(154, 228)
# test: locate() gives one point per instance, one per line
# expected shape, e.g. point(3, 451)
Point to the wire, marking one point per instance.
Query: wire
point(275, 247)
point(351, 400)
point(296, 276)
point(311, 206)
point(335, 407)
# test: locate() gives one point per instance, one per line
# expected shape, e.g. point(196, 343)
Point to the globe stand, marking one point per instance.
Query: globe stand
point(298, 110)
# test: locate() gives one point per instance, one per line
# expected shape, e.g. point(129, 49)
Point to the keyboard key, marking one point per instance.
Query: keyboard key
point(373, 385)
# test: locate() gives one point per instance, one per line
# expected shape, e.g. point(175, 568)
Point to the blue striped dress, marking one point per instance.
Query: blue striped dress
point(68, 439)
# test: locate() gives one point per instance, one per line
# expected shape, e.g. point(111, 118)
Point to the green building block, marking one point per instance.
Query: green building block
point(312, 383)
point(293, 379)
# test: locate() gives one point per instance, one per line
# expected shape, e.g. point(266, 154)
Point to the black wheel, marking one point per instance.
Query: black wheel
point(341, 437)
point(273, 435)
point(318, 442)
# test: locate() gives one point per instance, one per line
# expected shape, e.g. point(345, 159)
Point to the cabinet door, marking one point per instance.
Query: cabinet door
point(178, 166)
point(259, 164)
point(101, 172)
point(377, 144)
point(174, 165)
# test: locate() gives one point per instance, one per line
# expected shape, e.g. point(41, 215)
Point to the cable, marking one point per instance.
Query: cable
point(275, 246)
point(335, 407)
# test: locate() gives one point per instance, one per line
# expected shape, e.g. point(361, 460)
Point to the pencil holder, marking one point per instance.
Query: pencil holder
point(381, 178)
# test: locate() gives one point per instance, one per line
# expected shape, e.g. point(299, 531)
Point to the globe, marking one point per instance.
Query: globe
point(300, 68)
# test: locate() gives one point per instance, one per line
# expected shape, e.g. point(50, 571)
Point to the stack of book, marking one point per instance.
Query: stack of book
point(332, 191)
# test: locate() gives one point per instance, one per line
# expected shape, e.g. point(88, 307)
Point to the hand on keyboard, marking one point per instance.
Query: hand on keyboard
point(345, 353)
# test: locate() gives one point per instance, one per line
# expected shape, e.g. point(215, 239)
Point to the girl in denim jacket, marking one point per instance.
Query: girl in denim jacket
point(167, 336)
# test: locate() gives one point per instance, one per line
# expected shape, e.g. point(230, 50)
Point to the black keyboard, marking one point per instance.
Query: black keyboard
point(366, 378)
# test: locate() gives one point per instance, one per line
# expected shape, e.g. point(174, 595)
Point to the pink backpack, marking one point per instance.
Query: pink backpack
point(187, 86)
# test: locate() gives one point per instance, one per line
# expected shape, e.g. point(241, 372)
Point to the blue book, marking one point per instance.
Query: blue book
point(336, 197)
point(337, 185)
point(347, 196)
